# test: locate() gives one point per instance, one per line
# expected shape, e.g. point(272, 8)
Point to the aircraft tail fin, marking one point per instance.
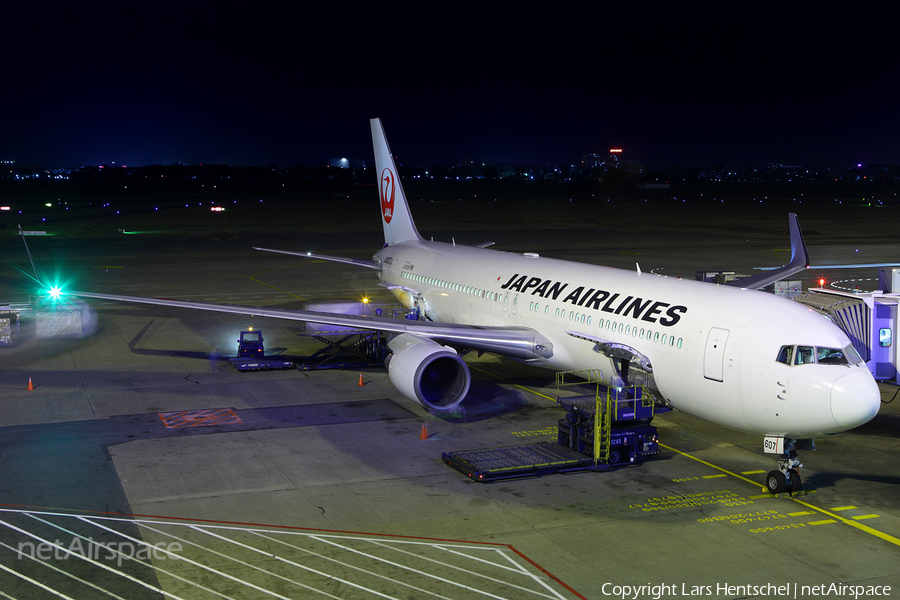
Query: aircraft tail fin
point(395, 216)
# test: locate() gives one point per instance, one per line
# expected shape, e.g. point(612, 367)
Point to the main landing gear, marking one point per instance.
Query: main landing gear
point(787, 477)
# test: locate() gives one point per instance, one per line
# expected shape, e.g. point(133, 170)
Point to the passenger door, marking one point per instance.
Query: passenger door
point(714, 354)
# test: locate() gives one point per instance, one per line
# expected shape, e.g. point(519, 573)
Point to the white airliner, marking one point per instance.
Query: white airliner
point(735, 356)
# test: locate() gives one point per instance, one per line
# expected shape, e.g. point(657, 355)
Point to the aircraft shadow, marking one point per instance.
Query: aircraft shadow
point(830, 478)
point(213, 356)
point(882, 425)
point(485, 401)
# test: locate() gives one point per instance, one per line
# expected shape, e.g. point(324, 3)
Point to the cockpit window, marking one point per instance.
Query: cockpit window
point(805, 355)
point(852, 355)
point(831, 356)
point(785, 355)
point(808, 355)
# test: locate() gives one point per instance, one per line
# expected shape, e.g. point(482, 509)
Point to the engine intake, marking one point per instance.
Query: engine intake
point(427, 372)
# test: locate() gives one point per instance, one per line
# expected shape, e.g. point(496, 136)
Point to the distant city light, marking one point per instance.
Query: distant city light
point(615, 150)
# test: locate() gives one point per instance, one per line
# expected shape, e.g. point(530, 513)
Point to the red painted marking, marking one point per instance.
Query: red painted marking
point(199, 418)
point(387, 195)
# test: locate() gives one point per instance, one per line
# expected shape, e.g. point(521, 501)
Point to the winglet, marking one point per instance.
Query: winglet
point(799, 255)
point(799, 261)
point(395, 216)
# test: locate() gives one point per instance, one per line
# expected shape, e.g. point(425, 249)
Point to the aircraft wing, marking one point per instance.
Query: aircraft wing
point(370, 264)
point(799, 261)
point(518, 342)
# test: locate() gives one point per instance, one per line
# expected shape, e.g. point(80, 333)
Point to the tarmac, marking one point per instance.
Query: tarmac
point(202, 482)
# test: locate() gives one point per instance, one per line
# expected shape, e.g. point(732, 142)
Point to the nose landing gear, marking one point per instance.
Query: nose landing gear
point(787, 477)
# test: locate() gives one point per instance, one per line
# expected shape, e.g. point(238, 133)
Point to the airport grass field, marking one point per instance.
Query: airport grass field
point(828, 214)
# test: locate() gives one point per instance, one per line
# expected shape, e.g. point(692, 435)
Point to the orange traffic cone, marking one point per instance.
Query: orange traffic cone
point(30, 387)
point(360, 384)
point(424, 434)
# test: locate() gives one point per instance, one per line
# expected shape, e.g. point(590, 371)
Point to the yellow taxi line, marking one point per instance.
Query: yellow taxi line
point(879, 534)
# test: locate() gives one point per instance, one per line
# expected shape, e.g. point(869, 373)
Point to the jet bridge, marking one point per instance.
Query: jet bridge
point(607, 428)
point(870, 320)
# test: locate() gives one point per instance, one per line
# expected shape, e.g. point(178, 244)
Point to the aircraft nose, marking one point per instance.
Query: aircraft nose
point(855, 399)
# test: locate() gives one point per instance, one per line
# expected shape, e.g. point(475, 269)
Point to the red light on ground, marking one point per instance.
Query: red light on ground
point(216, 209)
point(822, 282)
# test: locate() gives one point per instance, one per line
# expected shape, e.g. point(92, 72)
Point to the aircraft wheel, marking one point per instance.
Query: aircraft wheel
point(795, 480)
point(775, 482)
point(614, 457)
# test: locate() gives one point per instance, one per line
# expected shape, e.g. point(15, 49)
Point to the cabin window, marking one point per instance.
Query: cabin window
point(642, 333)
point(547, 310)
point(656, 337)
point(671, 340)
point(805, 355)
point(628, 330)
point(664, 338)
point(679, 342)
point(589, 320)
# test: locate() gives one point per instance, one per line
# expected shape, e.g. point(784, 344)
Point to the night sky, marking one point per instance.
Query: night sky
point(255, 83)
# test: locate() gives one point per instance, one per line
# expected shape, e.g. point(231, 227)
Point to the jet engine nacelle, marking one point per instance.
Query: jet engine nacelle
point(427, 372)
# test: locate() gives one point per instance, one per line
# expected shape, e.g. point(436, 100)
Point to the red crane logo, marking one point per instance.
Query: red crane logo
point(387, 195)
